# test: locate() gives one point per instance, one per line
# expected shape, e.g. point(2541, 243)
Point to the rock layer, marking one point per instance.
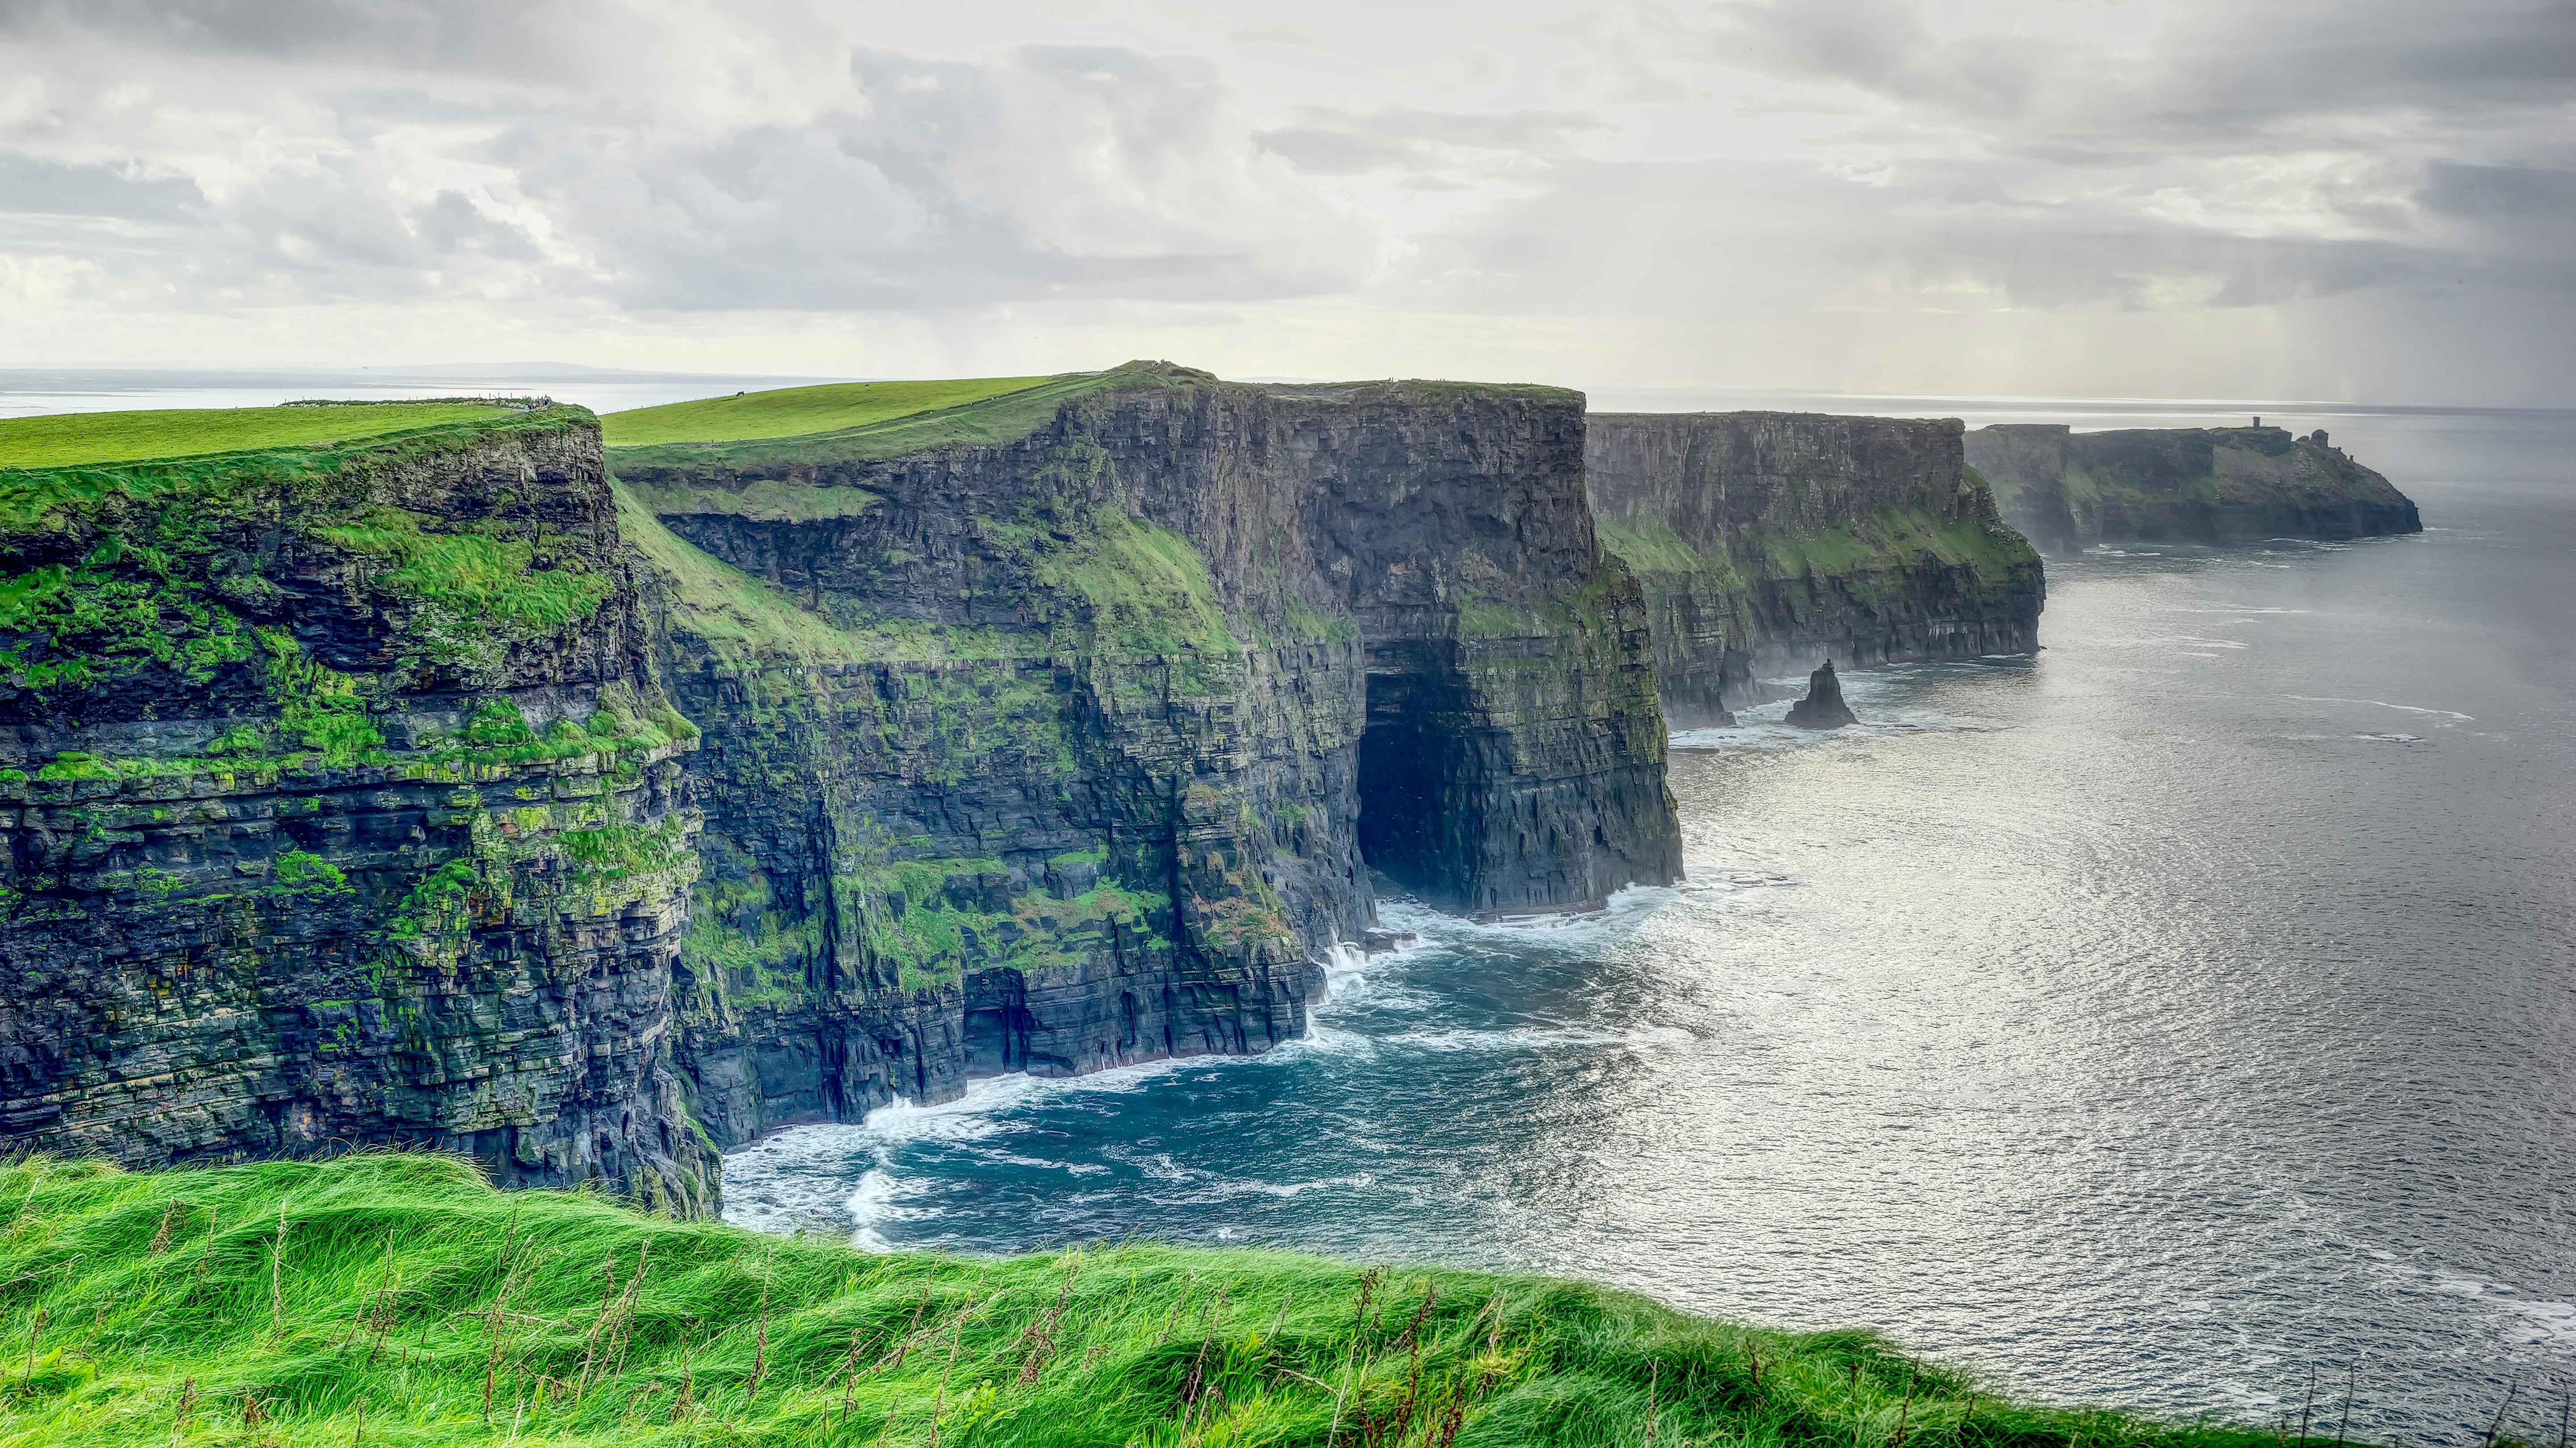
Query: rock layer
point(2069, 490)
point(1765, 541)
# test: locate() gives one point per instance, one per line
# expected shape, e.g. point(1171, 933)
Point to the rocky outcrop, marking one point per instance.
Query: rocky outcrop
point(1062, 732)
point(1823, 708)
point(339, 808)
point(1765, 541)
point(2069, 490)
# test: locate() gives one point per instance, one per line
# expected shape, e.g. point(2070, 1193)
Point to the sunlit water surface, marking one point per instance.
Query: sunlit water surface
point(2147, 1022)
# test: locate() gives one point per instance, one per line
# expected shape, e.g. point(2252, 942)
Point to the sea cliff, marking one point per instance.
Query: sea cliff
point(1068, 737)
point(1767, 541)
point(340, 807)
point(431, 788)
point(2069, 490)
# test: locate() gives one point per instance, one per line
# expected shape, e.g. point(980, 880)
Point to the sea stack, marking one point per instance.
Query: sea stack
point(1823, 708)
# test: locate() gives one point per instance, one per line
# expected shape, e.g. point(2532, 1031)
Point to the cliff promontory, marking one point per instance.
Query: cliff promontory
point(2069, 490)
point(339, 805)
point(1061, 729)
point(1765, 541)
point(397, 777)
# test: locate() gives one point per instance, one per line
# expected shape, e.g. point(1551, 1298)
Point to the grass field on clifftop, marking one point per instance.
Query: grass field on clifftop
point(397, 1300)
point(72, 439)
point(797, 411)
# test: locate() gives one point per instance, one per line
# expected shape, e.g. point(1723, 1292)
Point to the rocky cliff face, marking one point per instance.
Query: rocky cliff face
point(2069, 490)
point(1060, 732)
point(1766, 541)
point(351, 794)
point(339, 807)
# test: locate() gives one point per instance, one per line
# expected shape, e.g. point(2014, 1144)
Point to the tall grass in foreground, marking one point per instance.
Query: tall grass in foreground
point(397, 1299)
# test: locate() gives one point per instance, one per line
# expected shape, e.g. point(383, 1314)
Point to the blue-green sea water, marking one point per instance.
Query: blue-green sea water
point(2148, 1021)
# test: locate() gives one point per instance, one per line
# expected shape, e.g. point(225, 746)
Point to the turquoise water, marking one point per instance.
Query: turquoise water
point(2150, 1021)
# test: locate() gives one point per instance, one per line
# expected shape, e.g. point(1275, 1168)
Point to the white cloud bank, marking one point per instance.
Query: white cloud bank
point(2371, 199)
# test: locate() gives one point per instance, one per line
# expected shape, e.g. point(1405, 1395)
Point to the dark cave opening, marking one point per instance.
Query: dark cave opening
point(1407, 761)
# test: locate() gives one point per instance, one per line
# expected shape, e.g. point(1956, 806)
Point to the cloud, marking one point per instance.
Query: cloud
point(683, 169)
point(907, 184)
point(1336, 142)
point(1048, 172)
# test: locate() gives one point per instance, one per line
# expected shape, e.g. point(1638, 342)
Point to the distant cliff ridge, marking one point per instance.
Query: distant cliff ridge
point(432, 788)
point(2069, 490)
point(1766, 541)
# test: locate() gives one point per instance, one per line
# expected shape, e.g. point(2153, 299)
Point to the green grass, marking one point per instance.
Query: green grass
point(396, 1300)
point(75, 439)
point(795, 411)
point(474, 576)
point(988, 421)
point(1890, 538)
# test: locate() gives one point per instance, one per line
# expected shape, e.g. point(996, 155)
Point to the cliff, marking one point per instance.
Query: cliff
point(1060, 730)
point(1765, 541)
point(428, 787)
point(339, 808)
point(2069, 490)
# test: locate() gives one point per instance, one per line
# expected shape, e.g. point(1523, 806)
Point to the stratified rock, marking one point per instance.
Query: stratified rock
point(1763, 538)
point(1062, 732)
point(357, 794)
point(361, 821)
point(2069, 490)
point(1823, 708)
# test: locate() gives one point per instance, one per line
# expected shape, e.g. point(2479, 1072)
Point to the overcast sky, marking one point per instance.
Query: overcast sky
point(2370, 200)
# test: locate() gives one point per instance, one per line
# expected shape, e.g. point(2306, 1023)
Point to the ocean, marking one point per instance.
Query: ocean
point(2155, 1021)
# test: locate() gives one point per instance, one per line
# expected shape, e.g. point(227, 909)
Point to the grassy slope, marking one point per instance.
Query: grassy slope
point(792, 411)
point(77, 438)
point(984, 422)
point(408, 1304)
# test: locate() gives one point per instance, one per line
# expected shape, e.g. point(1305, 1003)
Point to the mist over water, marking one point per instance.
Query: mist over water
point(2145, 1022)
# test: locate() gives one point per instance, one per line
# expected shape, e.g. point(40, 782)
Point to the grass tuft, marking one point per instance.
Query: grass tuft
point(396, 1299)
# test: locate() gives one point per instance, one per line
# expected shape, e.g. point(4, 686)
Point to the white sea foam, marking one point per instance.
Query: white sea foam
point(2154, 640)
point(790, 1180)
point(2384, 704)
point(1536, 1038)
point(1753, 730)
point(1616, 915)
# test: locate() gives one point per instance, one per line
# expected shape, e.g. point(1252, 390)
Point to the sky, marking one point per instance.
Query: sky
point(2362, 201)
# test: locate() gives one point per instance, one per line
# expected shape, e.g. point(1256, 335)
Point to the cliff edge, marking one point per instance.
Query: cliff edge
point(402, 779)
point(339, 805)
point(2069, 490)
point(1765, 541)
point(1062, 729)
